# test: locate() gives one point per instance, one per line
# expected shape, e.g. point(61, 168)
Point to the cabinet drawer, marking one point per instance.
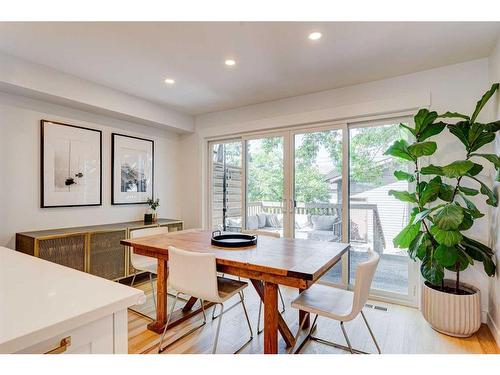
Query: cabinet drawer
point(93, 338)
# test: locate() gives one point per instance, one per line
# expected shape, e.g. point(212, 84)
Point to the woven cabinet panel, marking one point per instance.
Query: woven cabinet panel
point(107, 255)
point(68, 251)
point(174, 227)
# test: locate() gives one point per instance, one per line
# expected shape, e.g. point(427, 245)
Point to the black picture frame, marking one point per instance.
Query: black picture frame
point(43, 204)
point(113, 183)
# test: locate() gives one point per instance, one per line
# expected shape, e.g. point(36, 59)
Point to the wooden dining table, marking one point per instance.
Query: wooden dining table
point(297, 263)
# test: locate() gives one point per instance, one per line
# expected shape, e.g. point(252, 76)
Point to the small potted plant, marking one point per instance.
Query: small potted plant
point(150, 215)
point(444, 210)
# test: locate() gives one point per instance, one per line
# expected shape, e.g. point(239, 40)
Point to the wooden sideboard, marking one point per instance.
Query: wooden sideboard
point(94, 249)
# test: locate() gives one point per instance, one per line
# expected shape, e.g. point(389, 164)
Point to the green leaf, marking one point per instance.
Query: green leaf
point(446, 192)
point(422, 215)
point(403, 196)
point(467, 222)
point(411, 130)
point(481, 103)
point(414, 245)
point(468, 191)
point(490, 157)
point(400, 175)
point(485, 190)
point(446, 237)
point(430, 130)
point(482, 140)
point(423, 119)
point(399, 149)
point(446, 255)
point(471, 242)
point(432, 169)
point(432, 271)
point(475, 170)
point(422, 149)
point(457, 168)
point(492, 126)
point(461, 131)
point(475, 131)
point(406, 236)
point(472, 209)
point(481, 253)
point(454, 115)
point(425, 247)
point(463, 260)
point(430, 192)
point(449, 217)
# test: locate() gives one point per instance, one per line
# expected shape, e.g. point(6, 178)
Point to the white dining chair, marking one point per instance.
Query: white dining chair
point(269, 234)
point(195, 274)
point(144, 263)
point(338, 304)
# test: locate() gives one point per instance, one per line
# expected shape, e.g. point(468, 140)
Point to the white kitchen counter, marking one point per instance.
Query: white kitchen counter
point(41, 302)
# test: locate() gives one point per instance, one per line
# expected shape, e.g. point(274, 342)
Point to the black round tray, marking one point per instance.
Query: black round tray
point(233, 240)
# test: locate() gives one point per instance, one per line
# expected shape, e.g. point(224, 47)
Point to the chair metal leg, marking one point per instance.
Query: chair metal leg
point(216, 340)
point(153, 289)
point(259, 331)
point(133, 278)
point(290, 351)
point(248, 322)
point(213, 312)
point(349, 346)
point(160, 349)
point(282, 300)
point(346, 337)
point(309, 334)
point(371, 333)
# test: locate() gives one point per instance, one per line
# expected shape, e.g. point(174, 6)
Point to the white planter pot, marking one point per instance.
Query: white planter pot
point(451, 314)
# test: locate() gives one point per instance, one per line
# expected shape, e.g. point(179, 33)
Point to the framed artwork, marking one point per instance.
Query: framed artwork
point(132, 161)
point(71, 165)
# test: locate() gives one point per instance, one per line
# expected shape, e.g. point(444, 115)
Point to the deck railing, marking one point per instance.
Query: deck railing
point(364, 219)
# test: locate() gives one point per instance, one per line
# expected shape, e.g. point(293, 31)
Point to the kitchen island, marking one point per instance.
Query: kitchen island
point(49, 308)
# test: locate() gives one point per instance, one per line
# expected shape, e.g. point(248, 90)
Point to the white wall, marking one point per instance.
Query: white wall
point(456, 87)
point(20, 175)
point(494, 292)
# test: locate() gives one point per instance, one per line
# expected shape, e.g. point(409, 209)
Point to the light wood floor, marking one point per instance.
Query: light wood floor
point(399, 330)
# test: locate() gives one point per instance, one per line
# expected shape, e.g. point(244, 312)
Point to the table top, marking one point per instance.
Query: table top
point(298, 258)
point(41, 299)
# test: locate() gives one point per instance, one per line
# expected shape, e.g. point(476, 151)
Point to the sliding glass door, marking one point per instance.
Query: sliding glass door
point(375, 216)
point(266, 208)
point(317, 189)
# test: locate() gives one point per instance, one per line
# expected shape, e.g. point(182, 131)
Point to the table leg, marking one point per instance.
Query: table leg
point(161, 297)
point(283, 328)
point(302, 314)
point(270, 318)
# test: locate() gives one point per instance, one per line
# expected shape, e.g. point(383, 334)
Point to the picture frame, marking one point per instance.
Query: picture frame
point(132, 169)
point(70, 165)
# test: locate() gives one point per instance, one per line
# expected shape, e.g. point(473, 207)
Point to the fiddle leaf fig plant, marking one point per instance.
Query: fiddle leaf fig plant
point(443, 208)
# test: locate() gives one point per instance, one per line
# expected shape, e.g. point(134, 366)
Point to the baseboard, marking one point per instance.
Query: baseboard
point(495, 331)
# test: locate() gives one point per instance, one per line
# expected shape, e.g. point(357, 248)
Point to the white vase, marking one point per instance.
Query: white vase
point(451, 314)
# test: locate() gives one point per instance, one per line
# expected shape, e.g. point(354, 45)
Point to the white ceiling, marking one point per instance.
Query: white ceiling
point(274, 59)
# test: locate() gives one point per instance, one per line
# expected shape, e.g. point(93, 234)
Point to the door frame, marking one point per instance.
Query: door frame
point(285, 134)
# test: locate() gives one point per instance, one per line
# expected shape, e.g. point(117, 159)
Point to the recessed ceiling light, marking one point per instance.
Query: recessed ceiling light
point(315, 35)
point(169, 81)
point(230, 62)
